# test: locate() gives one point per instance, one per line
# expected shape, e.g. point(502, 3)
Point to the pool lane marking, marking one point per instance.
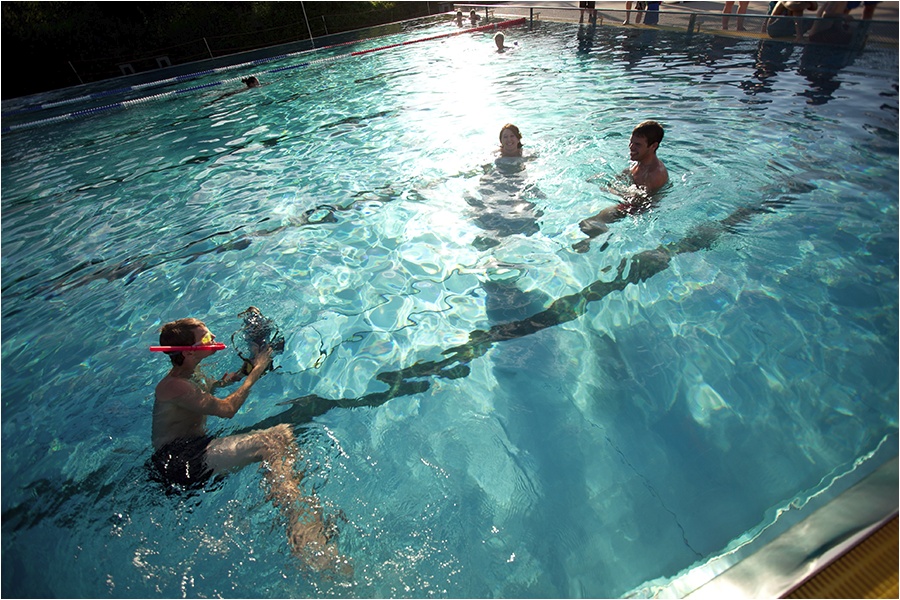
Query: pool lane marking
point(176, 79)
point(127, 103)
point(633, 270)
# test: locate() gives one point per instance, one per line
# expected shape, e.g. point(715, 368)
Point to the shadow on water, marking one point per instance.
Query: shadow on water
point(533, 417)
point(771, 59)
point(822, 66)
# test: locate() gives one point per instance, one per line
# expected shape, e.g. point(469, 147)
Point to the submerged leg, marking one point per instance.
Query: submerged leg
point(277, 449)
point(307, 533)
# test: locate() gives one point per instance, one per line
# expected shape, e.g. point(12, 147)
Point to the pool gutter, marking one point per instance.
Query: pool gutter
point(813, 545)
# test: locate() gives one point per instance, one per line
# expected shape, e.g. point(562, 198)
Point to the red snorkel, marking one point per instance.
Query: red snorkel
point(201, 347)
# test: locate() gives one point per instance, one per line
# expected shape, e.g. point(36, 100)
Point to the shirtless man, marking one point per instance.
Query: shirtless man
point(185, 455)
point(647, 173)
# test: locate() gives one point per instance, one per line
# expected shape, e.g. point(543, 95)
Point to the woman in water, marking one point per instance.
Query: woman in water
point(510, 141)
point(503, 201)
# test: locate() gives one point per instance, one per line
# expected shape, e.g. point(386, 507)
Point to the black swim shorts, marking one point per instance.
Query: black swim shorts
point(183, 462)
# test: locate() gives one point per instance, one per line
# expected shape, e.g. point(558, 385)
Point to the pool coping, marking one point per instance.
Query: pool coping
point(812, 545)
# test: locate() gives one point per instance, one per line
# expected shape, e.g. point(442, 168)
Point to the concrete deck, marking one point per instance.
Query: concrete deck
point(707, 17)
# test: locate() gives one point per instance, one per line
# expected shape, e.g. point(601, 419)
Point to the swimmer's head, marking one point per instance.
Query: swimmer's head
point(183, 332)
point(510, 140)
point(498, 39)
point(251, 82)
point(650, 131)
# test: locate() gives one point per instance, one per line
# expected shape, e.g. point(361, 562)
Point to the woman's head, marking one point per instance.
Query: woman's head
point(510, 140)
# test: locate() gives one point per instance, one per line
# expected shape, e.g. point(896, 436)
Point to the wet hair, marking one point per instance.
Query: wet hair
point(250, 82)
point(650, 131)
point(514, 129)
point(179, 333)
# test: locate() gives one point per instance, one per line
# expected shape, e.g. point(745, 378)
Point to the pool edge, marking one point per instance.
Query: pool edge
point(813, 545)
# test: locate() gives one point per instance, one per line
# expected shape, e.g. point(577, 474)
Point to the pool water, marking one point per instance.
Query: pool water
point(358, 204)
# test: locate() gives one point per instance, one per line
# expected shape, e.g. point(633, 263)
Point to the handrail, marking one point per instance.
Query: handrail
point(499, 7)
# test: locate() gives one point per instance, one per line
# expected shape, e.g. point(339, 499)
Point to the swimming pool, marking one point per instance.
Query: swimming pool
point(355, 202)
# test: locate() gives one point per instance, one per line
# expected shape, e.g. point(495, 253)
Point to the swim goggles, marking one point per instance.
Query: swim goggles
point(207, 343)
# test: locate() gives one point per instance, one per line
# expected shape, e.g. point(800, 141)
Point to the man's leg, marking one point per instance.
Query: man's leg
point(742, 10)
point(237, 451)
point(277, 449)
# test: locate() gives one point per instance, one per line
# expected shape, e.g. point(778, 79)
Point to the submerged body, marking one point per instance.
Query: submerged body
point(647, 175)
point(186, 456)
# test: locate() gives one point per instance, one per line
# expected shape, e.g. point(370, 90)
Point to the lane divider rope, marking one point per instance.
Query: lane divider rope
point(129, 103)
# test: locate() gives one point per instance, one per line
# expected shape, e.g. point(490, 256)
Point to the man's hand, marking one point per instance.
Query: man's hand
point(229, 378)
point(262, 360)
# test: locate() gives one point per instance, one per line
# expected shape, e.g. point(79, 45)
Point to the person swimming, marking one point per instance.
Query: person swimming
point(503, 205)
point(186, 456)
point(647, 175)
point(249, 83)
point(510, 140)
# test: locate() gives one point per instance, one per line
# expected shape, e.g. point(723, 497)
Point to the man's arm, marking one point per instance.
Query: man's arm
point(227, 379)
point(190, 397)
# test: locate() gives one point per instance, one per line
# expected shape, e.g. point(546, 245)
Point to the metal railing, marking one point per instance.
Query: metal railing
point(869, 33)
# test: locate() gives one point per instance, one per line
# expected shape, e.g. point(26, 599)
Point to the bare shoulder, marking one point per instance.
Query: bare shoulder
point(658, 176)
point(175, 388)
point(664, 174)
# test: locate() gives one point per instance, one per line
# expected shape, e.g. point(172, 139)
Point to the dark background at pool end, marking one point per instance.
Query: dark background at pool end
point(64, 44)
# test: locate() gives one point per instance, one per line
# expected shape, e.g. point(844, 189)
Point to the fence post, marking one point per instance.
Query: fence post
point(76, 73)
point(311, 40)
point(691, 23)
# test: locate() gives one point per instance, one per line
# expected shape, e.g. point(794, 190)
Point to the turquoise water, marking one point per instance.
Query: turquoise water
point(660, 426)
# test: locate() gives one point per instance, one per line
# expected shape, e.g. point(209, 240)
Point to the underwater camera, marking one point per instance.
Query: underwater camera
point(258, 333)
